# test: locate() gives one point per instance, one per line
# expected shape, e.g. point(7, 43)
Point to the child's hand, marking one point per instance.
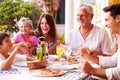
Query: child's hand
point(22, 46)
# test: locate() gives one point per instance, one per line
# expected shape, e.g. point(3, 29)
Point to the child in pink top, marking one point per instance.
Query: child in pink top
point(25, 26)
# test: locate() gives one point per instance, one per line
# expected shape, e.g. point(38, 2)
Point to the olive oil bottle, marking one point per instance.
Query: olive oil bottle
point(43, 48)
point(39, 54)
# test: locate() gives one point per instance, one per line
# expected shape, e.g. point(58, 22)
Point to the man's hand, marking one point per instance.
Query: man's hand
point(83, 52)
point(86, 67)
point(86, 53)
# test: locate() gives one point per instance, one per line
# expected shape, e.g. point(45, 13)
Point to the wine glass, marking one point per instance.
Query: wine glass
point(41, 38)
point(67, 50)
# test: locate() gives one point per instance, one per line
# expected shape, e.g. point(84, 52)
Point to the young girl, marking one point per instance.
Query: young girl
point(24, 35)
point(6, 46)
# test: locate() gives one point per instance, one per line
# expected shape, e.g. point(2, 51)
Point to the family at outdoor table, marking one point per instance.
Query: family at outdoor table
point(87, 41)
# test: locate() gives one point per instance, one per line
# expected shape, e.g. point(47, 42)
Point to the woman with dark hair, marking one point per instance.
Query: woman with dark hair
point(47, 28)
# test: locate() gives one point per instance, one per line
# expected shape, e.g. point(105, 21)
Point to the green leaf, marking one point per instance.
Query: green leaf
point(62, 37)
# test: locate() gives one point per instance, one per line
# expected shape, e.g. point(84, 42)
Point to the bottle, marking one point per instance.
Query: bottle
point(43, 48)
point(46, 51)
point(39, 53)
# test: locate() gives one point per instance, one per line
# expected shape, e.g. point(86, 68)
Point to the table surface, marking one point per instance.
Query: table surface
point(23, 73)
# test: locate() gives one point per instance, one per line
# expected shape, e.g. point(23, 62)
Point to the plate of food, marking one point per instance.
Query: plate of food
point(47, 72)
point(72, 60)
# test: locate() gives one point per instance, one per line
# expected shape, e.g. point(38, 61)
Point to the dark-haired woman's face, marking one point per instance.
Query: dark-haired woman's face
point(44, 26)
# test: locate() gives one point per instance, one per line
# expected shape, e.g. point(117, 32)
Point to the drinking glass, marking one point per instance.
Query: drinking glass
point(60, 50)
point(67, 50)
point(41, 38)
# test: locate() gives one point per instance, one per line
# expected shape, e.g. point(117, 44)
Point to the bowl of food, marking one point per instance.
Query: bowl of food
point(37, 64)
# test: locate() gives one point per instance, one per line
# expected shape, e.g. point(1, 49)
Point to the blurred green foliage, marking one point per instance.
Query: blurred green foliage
point(11, 10)
point(62, 36)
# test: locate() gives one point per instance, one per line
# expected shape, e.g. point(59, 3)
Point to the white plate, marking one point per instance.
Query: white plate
point(64, 67)
point(36, 72)
point(21, 63)
point(53, 56)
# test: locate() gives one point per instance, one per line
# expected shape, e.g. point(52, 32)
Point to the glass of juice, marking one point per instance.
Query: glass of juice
point(60, 50)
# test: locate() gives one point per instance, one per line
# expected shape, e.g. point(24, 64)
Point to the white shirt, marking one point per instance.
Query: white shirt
point(98, 39)
point(17, 58)
point(112, 64)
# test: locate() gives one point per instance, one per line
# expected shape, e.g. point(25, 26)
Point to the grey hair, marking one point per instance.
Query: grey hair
point(24, 19)
point(87, 7)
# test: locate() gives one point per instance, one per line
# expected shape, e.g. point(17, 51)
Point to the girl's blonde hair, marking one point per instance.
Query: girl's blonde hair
point(24, 19)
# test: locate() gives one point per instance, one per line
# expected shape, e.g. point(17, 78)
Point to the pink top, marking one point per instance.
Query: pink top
point(32, 39)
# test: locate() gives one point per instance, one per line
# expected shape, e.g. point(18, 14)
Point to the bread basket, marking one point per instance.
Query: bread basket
point(37, 64)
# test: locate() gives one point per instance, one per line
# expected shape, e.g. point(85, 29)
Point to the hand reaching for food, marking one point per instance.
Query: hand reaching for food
point(21, 46)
